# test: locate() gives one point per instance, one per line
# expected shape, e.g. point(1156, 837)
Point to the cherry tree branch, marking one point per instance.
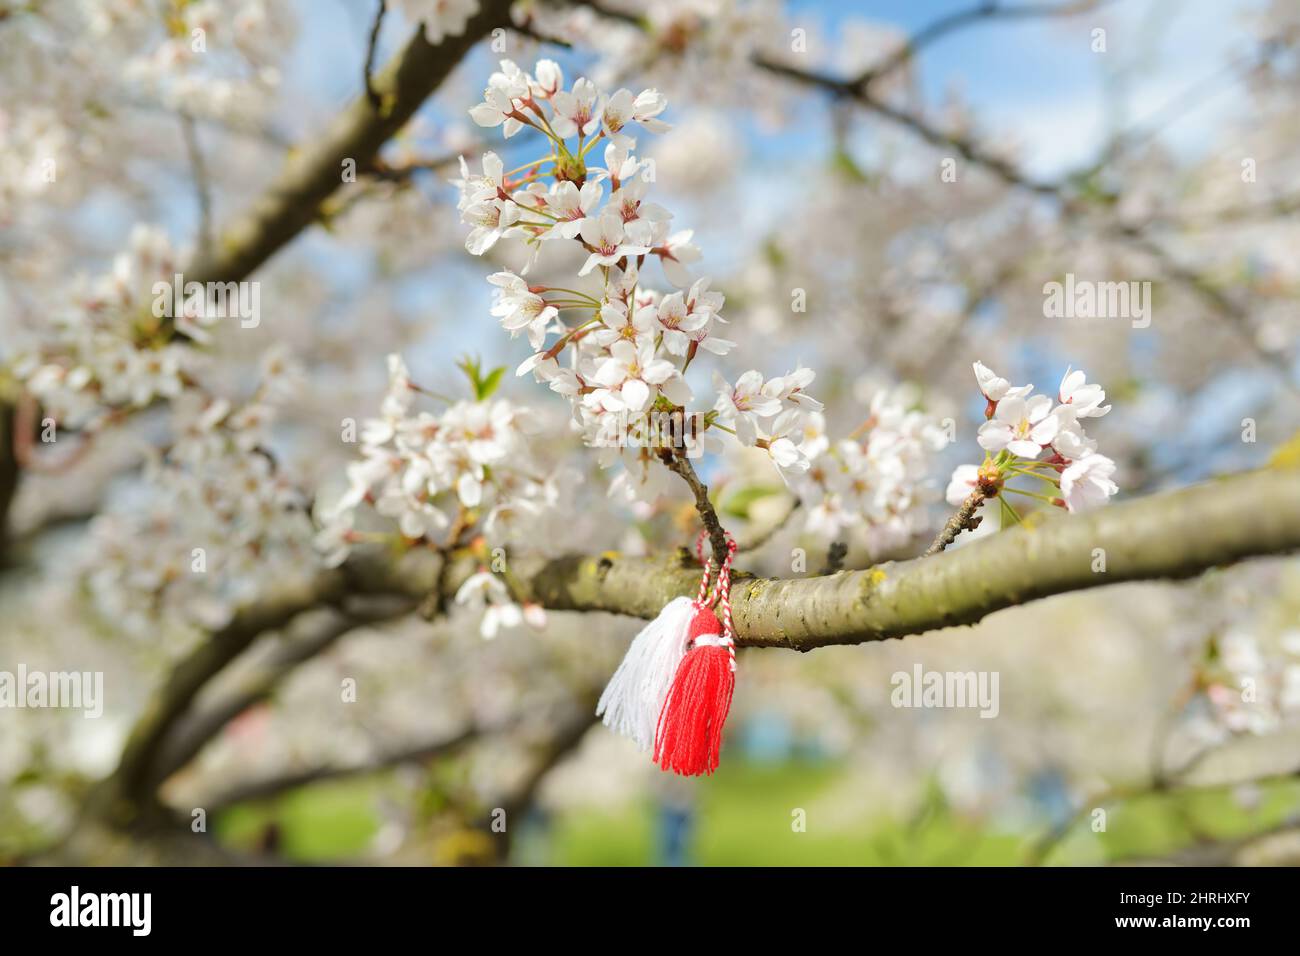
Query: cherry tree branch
point(300, 644)
point(202, 182)
point(376, 100)
point(1168, 536)
point(964, 518)
point(1172, 535)
point(312, 175)
point(261, 789)
point(681, 465)
point(1062, 191)
point(1041, 849)
point(9, 473)
point(129, 790)
point(984, 11)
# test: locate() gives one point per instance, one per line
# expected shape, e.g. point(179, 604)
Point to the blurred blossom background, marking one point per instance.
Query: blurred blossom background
point(1127, 141)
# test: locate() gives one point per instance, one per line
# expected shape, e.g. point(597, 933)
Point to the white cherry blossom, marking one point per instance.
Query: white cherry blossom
point(441, 18)
point(1022, 427)
point(632, 370)
point(606, 237)
point(571, 205)
point(491, 220)
point(519, 308)
point(995, 388)
point(740, 406)
point(964, 480)
point(1087, 482)
point(1082, 398)
point(576, 113)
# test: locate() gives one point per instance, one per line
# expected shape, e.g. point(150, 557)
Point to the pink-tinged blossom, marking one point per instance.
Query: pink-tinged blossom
point(571, 206)
point(622, 324)
point(1021, 427)
point(790, 388)
point(675, 321)
point(622, 108)
point(606, 237)
point(1082, 398)
point(520, 308)
point(639, 217)
point(675, 253)
point(440, 18)
point(994, 387)
point(548, 80)
point(740, 406)
point(575, 112)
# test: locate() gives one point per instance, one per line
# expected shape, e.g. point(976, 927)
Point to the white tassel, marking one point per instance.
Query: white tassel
point(635, 694)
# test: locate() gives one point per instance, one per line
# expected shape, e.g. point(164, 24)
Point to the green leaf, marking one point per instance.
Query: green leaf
point(483, 385)
point(489, 384)
point(843, 164)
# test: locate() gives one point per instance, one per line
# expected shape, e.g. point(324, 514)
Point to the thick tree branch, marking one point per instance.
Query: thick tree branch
point(1168, 536)
point(1173, 535)
point(130, 788)
point(273, 786)
point(311, 176)
point(300, 644)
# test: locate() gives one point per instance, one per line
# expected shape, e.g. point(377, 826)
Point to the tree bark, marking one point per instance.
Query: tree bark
point(1172, 535)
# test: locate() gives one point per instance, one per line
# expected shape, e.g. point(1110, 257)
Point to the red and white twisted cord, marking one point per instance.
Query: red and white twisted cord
point(722, 594)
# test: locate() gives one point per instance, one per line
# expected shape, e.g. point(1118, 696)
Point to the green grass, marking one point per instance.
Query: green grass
point(331, 821)
point(744, 818)
point(1157, 824)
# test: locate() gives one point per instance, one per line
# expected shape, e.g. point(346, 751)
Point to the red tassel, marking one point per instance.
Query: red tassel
point(689, 736)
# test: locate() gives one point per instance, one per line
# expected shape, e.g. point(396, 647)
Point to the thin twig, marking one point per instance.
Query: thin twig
point(202, 183)
point(985, 10)
point(371, 93)
point(388, 172)
point(261, 789)
point(527, 29)
point(964, 519)
point(717, 534)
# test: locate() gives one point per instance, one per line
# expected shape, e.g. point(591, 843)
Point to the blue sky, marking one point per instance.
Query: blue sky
point(1037, 80)
point(1040, 82)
